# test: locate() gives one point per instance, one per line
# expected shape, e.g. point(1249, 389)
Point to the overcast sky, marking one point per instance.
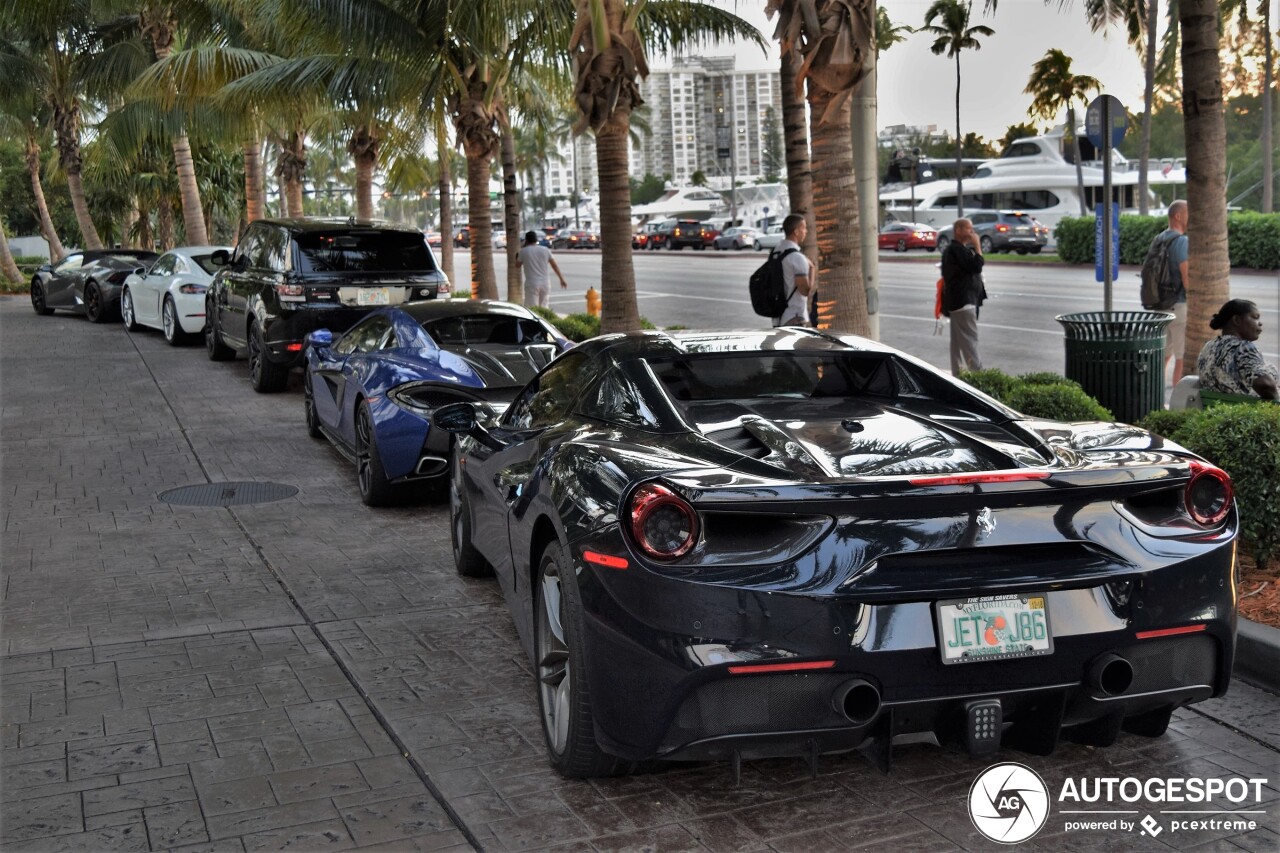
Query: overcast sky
point(918, 88)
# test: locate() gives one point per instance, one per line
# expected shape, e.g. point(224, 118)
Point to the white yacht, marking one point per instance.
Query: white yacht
point(1034, 177)
point(682, 203)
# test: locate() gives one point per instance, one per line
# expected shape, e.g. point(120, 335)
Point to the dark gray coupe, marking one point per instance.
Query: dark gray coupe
point(87, 283)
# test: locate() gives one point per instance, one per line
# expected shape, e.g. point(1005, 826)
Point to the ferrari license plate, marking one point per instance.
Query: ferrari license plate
point(994, 627)
point(373, 296)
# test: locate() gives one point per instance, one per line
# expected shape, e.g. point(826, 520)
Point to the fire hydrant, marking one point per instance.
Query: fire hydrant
point(593, 302)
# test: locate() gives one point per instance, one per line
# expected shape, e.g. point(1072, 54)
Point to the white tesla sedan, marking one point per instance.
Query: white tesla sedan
point(170, 295)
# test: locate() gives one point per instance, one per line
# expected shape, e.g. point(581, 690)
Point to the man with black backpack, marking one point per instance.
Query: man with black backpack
point(1164, 277)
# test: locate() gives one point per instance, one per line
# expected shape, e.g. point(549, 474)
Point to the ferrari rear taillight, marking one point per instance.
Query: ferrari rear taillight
point(663, 524)
point(1208, 495)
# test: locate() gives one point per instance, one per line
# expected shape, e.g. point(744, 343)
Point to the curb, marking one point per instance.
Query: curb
point(1258, 654)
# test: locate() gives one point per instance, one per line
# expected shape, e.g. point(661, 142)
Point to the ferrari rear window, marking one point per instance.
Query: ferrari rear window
point(696, 378)
point(363, 251)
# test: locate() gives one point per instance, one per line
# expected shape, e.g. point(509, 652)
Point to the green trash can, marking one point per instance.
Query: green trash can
point(1118, 358)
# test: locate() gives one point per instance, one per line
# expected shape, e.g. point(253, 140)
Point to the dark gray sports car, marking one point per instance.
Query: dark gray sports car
point(785, 543)
point(87, 283)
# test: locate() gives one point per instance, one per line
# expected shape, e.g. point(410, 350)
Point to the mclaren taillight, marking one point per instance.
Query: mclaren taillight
point(1208, 495)
point(663, 524)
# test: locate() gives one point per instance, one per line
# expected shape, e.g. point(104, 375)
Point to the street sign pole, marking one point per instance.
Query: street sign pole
point(1105, 124)
point(1107, 282)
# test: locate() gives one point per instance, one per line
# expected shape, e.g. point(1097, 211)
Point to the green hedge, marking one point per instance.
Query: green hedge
point(1253, 239)
point(578, 327)
point(1039, 395)
point(1244, 441)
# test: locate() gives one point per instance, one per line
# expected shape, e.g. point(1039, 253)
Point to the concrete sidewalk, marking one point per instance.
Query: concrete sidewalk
point(312, 674)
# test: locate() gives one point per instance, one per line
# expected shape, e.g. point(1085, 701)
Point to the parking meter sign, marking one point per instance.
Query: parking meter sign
point(1116, 117)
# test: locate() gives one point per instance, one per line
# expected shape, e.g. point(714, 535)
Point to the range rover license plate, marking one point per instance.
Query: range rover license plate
point(994, 627)
point(373, 296)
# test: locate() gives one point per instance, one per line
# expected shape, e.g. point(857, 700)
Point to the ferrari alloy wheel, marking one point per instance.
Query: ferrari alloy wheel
point(902, 245)
point(38, 303)
point(564, 695)
point(94, 307)
point(265, 375)
point(309, 408)
point(170, 323)
point(466, 559)
point(375, 490)
point(213, 345)
point(126, 311)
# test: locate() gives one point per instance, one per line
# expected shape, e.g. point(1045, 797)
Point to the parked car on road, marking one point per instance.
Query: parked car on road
point(770, 239)
point(1002, 231)
point(288, 277)
point(732, 546)
point(87, 283)
point(170, 295)
point(656, 232)
point(904, 236)
point(435, 239)
point(371, 391)
point(740, 237)
point(681, 233)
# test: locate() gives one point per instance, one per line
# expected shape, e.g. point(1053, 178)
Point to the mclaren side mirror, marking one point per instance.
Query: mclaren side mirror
point(320, 338)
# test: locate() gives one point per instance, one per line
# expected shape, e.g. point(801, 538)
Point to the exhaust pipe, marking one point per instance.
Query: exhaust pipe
point(1110, 675)
point(858, 700)
point(430, 465)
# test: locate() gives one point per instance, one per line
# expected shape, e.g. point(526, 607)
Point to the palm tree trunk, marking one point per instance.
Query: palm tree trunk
point(795, 129)
point(192, 212)
point(253, 196)
point(164, 225)
point(446, 203)
point(511, 214)
point(619, 311)
point(1205, 128)
point(1075, 148)
point(283, 190)
point(1268, 99)
point(146, 240)
point(80, 204)
point(56, 250)
point(484, 281)
point(959, 149)
point(1148, 102)
point(364, 187)
point(7, 265)
point(835, 207)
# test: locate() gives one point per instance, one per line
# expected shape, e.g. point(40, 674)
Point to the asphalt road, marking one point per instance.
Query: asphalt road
point(1018, 332)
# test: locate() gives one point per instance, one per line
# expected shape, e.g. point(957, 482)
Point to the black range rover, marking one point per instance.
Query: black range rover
point(289, 277)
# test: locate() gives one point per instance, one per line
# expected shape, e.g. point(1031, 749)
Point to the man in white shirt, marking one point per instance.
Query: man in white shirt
point(537, 263)
point(798, 273)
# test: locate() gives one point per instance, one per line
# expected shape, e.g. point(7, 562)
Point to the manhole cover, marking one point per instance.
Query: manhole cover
point(228, 494)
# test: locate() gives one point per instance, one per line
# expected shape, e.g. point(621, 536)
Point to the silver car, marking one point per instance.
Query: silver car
point(769, 240)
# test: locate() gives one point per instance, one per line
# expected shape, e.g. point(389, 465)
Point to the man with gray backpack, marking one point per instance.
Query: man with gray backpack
point(1164, 276)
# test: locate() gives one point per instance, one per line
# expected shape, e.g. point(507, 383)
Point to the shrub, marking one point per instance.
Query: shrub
point(1039, 395)
point(1253, 239)
point(1168, 423)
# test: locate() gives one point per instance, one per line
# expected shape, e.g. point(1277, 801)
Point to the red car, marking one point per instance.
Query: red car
point(901, 236)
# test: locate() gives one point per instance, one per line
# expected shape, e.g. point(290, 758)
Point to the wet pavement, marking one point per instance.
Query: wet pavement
point(312, 674)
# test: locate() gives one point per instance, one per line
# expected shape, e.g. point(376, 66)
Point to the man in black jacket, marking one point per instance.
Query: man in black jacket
point(963, 294)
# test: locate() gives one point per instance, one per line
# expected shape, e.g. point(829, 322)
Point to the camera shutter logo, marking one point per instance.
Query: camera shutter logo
point(1008, 803)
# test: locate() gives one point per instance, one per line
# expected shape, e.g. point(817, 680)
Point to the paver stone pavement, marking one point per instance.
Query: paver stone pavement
point(312, 674)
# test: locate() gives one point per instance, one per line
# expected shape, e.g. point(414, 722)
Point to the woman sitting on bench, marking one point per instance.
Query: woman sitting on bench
point(1231, 363)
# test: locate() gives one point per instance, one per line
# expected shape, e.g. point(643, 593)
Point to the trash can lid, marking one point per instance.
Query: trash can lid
point(1114, 325)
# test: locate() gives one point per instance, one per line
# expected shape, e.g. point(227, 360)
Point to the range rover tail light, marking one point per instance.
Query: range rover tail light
point(663, 524)
point(1208, 495)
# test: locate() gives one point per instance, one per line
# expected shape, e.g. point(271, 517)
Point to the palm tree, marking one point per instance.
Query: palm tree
point(52, 50)
point(1205, 124)
point(20, 116)
point(887, 32)
point(1052, 86)
point(953, 35)
point(607, 48)
point(795, 123)
point(8, 267)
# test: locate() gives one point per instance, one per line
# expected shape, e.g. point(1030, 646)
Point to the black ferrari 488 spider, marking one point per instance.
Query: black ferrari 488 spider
point(786, 543)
